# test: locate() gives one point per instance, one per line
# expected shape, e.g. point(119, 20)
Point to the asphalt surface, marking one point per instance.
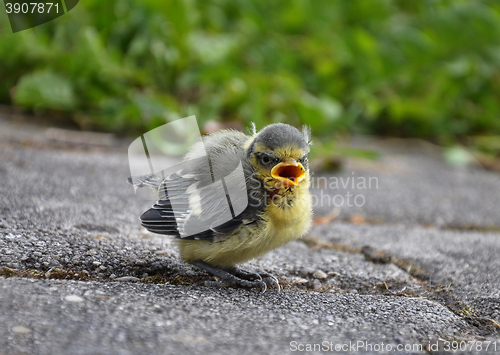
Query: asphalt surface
point(415, 266)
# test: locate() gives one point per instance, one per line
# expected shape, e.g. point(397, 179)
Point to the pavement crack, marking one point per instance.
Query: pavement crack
point(53, 273)
point(315, 243)
point(442, 294)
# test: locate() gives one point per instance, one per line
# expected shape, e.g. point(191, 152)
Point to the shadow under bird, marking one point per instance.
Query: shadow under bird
point(273, 190)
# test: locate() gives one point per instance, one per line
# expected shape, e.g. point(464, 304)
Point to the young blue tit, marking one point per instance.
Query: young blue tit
point(221, 218)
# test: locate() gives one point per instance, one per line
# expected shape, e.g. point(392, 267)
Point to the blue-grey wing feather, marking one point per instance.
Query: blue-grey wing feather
point(192, 201)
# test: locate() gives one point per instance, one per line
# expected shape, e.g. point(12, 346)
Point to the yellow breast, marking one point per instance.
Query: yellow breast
point(276, 227)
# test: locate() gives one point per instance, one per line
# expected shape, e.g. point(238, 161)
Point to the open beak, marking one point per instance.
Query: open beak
point(288, 172)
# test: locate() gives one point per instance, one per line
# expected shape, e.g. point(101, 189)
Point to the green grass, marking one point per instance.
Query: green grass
point(427, 68)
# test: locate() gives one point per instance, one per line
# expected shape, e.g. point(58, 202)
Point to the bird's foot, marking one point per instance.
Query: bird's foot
point(266, 277)
point(237, 277)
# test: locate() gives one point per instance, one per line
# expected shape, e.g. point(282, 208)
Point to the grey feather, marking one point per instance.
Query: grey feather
point(195, 196)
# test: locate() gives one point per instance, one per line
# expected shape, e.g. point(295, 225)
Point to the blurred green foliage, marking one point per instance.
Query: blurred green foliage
point(426, 68)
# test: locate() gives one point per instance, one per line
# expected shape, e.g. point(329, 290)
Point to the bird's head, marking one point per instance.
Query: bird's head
point(279, 155)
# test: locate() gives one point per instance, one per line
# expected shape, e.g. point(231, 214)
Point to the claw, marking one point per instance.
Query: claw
point(273, 278)
point(237, 277)
point(276, 282)
point(265, 287)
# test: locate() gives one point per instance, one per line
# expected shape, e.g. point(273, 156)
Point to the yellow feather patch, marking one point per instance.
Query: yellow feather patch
point(276, 227)
point(285, 218)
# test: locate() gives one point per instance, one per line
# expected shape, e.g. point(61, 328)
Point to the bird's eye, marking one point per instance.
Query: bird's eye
point(266, 159)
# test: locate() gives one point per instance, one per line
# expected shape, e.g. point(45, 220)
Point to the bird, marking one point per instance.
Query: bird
point(234, 198)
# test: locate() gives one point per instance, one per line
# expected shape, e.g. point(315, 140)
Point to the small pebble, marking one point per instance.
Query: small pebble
point(298, 280)
point(73, 298)
point(20, 329)
point(319, 274)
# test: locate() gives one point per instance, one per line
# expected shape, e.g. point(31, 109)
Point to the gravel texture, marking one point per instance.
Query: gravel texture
point(75, 317)
point(418, 262)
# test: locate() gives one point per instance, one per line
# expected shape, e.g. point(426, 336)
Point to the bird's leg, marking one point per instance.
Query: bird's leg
point(249, 275)
point(228, 278)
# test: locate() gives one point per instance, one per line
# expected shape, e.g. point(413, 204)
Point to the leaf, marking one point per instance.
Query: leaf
point(45, 90)
point(458, 156)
